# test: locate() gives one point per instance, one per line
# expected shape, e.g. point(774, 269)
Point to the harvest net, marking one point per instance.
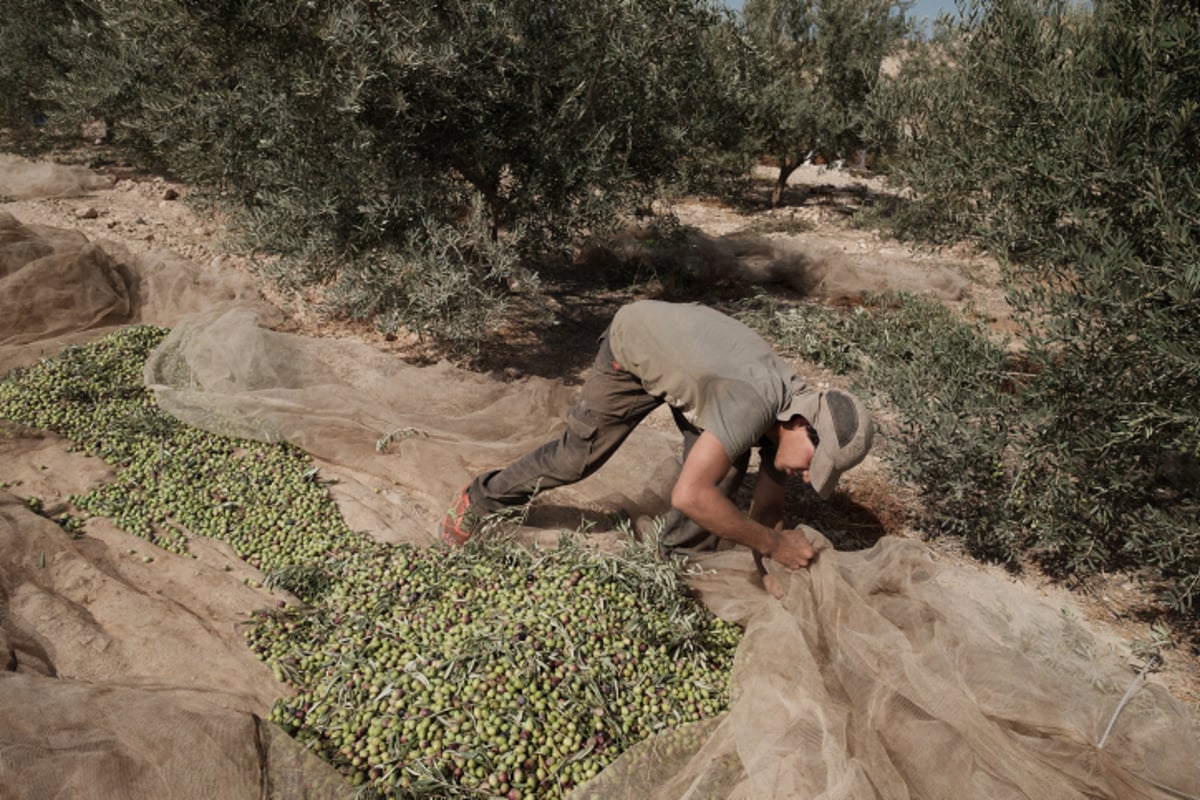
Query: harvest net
point(881, 673)
point(24, 179)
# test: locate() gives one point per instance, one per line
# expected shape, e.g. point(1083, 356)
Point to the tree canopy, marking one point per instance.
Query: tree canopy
point(820, 63)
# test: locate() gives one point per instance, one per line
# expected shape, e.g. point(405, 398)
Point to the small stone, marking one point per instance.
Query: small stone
point(87, 213)
point(170, 194)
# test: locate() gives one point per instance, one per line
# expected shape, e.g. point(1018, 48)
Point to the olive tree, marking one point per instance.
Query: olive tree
point(29, 59)
point(410, 153)
point(1066, 140)
point(820, 62)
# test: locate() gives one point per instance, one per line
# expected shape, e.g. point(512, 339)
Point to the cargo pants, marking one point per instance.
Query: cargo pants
point(611, 403)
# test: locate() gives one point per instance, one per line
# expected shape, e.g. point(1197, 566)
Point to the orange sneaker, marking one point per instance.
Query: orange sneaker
point(459, 522)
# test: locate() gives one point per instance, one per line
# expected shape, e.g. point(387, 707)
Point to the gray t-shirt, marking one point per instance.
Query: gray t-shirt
point(720, 373)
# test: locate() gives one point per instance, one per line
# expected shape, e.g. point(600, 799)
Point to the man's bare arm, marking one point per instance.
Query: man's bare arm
point(697, 495)
point(766, 507)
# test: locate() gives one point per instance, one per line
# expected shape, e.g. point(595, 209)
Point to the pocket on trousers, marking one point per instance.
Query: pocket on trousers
point(574, 456)
point(580, 426)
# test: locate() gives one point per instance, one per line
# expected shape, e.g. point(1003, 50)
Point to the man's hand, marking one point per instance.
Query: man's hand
point(788, 540)
point(696, 495)
point(791, 549)
point(769, 581)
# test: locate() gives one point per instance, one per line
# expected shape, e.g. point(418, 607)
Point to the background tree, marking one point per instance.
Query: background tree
point(28, 57)
point(1067, 142)
point(409, 154)
point(820, 62)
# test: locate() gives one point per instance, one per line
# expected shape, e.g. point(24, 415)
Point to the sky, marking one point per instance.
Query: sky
point(921, 8)
point(929, 8)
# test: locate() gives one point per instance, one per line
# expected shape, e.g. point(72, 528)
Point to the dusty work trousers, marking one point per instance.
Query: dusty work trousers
point(611, 404)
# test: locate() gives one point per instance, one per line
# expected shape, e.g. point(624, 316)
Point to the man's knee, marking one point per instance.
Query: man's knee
point(574, 459)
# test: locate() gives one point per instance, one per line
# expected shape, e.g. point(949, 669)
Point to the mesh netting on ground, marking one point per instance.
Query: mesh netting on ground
point(57, 288)
point(885, 674)
point(118, 685)
point(115, 682)
point(71, 740)
point(881, 673)
point(23, 179)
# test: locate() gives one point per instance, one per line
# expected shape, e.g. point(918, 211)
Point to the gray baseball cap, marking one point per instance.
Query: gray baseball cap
point(845, 430)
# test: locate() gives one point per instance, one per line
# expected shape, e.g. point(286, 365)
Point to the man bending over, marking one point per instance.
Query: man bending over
point(729, 393)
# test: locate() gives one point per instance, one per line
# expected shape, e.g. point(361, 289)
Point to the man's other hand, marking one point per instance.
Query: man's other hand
point(792, 549)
